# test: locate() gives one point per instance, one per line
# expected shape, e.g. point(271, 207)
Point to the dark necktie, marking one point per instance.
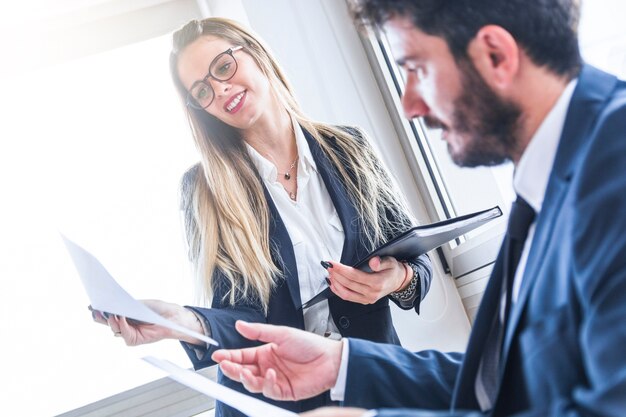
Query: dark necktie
point(487, 380)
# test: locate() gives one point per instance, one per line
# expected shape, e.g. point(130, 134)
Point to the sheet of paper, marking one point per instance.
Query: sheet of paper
point(105, 294)
point(250, 406)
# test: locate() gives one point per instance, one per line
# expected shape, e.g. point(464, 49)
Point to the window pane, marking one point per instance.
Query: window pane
point(602, 35)
point(93, 148)
point(464, 190)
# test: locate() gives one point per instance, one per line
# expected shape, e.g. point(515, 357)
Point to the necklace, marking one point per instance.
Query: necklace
point(287, 174)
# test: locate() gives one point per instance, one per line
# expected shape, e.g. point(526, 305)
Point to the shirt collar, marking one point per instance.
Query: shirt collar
point(268, 171)
point(533, 170)
point(306, 157)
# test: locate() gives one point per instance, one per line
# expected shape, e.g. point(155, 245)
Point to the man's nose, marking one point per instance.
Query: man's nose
point(413, 104)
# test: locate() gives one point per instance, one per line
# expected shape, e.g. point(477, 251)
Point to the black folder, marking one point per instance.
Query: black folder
point(419, 240)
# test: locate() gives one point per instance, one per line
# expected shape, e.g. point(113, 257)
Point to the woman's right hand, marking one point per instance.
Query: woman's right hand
point(388, 275)
point(138, 333)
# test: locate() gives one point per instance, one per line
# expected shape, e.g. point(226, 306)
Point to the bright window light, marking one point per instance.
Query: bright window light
point(93, 148)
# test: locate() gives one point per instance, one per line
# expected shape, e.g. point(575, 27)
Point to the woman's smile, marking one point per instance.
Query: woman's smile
point(235, 102)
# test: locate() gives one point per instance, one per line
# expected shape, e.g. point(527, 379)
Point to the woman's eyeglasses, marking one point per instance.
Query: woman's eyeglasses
point(222, 68)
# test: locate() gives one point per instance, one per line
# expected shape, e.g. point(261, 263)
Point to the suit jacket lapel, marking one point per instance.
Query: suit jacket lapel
point(593, 89)
point(281, 242)
point(283, 247)
point(339, 196)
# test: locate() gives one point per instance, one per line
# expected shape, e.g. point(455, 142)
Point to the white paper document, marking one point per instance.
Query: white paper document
point(106, 295)
point(252, 407)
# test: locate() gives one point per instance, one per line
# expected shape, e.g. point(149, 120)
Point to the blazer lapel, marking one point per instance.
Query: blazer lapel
point(281, 242)
point(339, 196)
point(283, 247)
point(593, 88)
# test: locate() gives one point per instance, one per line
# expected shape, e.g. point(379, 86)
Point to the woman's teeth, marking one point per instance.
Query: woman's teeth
point(235, 101)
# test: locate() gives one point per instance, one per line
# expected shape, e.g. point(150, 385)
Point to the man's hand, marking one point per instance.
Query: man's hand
point(335, 412)
point(388, 275)
point(293, 365)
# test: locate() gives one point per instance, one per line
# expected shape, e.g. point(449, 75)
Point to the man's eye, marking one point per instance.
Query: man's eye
point(418, 70)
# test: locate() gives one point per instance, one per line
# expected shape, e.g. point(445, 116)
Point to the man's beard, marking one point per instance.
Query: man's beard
point(488, 123)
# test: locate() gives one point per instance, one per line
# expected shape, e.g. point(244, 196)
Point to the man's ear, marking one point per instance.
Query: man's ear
point(496, 56)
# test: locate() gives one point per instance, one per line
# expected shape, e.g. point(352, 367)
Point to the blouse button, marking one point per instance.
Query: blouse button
point(344, 322)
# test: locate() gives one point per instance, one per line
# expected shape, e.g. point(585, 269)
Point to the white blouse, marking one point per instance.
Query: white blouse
point(314, 228)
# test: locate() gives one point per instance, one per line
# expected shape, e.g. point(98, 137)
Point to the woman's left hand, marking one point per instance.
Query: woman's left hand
point(388, 275)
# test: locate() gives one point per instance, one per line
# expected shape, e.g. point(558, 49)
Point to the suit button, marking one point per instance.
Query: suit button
point(344, 322)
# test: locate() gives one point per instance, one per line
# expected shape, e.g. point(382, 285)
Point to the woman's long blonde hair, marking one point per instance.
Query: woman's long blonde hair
point(226, 213)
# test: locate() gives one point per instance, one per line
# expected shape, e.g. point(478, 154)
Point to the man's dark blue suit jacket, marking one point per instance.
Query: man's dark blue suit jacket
point(370, 322)
point(565, 345)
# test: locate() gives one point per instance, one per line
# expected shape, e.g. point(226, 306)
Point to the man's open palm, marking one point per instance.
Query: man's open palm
point(292, 365)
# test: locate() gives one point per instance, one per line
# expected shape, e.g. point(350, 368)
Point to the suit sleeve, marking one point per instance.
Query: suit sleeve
point(220, 319)
point(381, 375)
point(424, 275)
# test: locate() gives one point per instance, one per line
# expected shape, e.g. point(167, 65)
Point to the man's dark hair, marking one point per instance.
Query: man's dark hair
point(547, 30)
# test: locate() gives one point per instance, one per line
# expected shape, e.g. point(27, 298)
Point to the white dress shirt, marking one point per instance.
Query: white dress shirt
point(313, 225)
point(534, 167)
point(530, 182)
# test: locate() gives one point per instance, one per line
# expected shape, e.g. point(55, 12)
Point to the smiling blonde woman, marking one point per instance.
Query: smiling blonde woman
point(277, 208)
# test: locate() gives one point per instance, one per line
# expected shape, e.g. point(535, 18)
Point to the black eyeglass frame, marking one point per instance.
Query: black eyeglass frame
point(191, 101)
